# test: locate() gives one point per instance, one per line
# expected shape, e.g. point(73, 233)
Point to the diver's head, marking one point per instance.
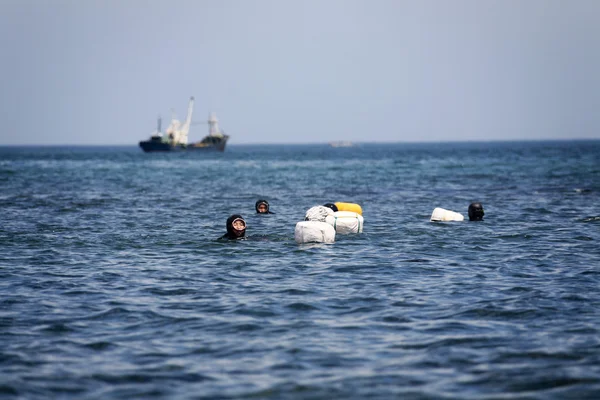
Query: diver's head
point(262, 206)
point(236, 226)
point(476, 212)
point(332, 206)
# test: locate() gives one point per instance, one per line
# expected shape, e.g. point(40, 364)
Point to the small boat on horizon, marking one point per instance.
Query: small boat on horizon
point(176, 136)
point(341, 143)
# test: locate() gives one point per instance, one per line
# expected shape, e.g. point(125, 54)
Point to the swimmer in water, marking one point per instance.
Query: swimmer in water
point(476, 212)
point(262, 207)
point(236, 228)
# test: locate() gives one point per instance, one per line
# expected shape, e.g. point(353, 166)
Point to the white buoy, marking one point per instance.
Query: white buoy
point(443, 215)
point(314, 232)
point(318, 213)
point(345, 222)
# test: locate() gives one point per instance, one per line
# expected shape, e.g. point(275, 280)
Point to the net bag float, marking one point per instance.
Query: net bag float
point(443, 215)
point(345, 222)
point(314, 232)
point(317, 213)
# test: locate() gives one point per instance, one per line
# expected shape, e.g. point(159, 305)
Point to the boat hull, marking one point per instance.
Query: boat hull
point(151, 146)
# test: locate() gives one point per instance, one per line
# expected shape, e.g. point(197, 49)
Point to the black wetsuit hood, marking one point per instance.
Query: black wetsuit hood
point(230, 231)
point(476, 212)
point(332, 206)
point(266, 203)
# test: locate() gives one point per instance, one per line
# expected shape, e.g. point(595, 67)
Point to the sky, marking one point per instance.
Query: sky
point(99, 72)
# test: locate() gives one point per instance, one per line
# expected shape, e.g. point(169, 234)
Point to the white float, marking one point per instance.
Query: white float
point(318, 213)
point(345, 222)
point(443, 215)
point(314, 232)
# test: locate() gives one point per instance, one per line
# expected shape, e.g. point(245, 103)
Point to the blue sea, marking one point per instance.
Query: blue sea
point(113, 285)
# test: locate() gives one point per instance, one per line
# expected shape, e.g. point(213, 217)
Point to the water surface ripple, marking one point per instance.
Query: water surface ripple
point(113, 285)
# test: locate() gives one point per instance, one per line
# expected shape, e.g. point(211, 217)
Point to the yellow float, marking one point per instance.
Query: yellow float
point(353, 207)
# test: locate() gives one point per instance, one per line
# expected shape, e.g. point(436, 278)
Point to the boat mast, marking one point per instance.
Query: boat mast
point(173, 129)
point(188, 120)
point(213, 125)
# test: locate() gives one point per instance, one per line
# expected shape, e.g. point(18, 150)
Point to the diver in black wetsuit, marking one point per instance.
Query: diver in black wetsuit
point(476, 212)
point(332, 206)
point(262, 207)
point(236, 228)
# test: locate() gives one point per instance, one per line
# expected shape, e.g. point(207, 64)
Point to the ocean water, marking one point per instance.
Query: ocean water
point(113, 285)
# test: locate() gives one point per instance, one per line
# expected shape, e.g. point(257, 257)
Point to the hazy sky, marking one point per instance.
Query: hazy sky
point(300, 71)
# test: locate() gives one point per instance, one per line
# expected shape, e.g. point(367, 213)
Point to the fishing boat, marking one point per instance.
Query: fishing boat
point(175, 138)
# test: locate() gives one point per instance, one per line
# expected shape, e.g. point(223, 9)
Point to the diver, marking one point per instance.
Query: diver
point(236, 228)
point(262, 207)
point(332, 206)
point(476, 212)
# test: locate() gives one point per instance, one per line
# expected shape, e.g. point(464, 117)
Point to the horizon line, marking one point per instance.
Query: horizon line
point(313, 143)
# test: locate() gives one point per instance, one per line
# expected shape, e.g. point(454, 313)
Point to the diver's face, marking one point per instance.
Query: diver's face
point(238, 226)
point(476, 214)
point(262, 208)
